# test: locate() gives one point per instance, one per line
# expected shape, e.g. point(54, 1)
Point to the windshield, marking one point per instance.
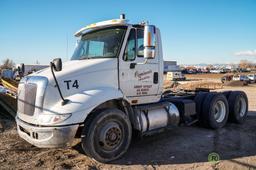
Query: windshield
point(104, 43)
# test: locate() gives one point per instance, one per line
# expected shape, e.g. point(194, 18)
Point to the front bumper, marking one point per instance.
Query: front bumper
point(46, 137)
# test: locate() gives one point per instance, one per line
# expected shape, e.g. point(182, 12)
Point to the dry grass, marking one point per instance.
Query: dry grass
point(204, 76)
point(250, 90)
point(212, 75)
point(208, 81)
point(200, 84)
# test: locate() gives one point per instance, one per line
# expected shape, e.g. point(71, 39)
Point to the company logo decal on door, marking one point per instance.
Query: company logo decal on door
point(143, 76)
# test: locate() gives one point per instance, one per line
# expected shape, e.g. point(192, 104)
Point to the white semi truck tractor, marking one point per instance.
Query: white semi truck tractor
point(111, 88)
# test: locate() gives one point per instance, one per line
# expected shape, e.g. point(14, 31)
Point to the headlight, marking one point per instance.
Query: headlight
point(52, 118)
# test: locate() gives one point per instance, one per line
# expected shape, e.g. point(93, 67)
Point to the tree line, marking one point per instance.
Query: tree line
point(7, 64)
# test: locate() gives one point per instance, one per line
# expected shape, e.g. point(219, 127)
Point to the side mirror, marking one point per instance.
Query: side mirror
point(56, 64)
point(149, 41)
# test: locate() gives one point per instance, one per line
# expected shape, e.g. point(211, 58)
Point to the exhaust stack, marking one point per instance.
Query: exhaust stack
point(122, 16)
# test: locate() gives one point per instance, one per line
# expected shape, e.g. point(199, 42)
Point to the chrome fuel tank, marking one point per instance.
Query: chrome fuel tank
point(158, 117)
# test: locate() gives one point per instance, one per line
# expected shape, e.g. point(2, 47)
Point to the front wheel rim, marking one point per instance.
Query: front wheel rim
point(110, 136)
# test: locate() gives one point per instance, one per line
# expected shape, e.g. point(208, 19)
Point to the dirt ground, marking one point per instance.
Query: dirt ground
point(179, 148)
point(211, 76)
point(204, 76)
point(250, 90)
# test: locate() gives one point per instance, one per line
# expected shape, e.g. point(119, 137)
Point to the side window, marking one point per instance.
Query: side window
point(130, 50)
point(140, 40)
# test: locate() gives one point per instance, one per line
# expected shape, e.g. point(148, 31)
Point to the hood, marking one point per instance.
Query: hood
point(83, 77)
point(74, 68)
point(78, 76)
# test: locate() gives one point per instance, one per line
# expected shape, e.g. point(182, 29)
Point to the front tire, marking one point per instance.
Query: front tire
point(107, 135)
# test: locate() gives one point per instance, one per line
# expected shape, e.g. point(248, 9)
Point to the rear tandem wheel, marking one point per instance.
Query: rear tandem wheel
point(215, 110)
point(238, 106)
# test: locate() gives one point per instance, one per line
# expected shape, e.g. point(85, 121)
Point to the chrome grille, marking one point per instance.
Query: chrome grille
point(27, 98)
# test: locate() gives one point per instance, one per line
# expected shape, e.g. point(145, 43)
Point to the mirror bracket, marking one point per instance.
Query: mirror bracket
point(56, 65)
point(132, 65)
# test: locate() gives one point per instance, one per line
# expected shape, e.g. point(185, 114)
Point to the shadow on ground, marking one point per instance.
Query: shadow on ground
point(192, 144)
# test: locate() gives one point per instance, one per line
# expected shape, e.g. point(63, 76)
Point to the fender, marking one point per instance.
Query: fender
point(81, 104)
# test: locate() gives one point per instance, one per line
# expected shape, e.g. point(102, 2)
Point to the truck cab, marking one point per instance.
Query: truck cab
point(111, 87)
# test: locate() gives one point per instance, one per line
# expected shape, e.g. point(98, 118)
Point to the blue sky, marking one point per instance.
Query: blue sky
point(193, 31)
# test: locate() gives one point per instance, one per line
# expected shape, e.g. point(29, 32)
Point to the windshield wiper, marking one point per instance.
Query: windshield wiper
point(84, 58)
point(94, 57)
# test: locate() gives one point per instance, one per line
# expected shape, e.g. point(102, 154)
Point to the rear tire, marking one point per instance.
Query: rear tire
point(199, 99)
point(107, 135)
point(238, 106)
point(227, 93)
point(215, 110)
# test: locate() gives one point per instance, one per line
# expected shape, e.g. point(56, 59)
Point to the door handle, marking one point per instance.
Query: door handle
point(155, 79)
point(132, 65)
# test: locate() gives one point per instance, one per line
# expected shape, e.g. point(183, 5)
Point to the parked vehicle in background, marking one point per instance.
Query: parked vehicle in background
point(226, 78)
point(243, 70)
point(7, 73)
point(218, 71)
point(215, 71)
point(252, 78)
point(3, 90)
point(175, 76)
point(240, 78)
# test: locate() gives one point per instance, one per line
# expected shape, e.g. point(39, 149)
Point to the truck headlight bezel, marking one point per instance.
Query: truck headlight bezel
point(50, 119)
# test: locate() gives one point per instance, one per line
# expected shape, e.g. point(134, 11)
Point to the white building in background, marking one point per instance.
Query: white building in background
point(34, 67)
point(30, 68)
point(171, 66)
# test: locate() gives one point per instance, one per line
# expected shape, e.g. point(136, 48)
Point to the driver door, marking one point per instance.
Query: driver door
point(139, 81)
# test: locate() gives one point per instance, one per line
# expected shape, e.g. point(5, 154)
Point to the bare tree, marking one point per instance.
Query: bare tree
point(7, 64)
point(244, 64)
point(209, 67)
